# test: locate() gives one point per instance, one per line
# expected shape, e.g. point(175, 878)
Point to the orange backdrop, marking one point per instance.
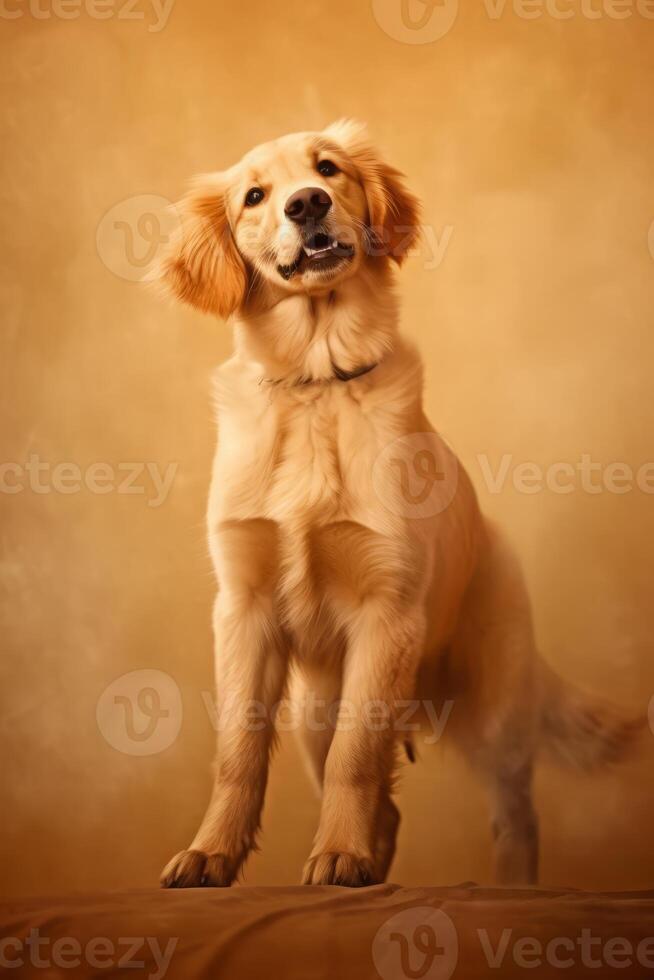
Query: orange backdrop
point(530, 140)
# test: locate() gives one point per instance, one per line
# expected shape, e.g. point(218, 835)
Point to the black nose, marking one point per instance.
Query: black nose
point(309, 204)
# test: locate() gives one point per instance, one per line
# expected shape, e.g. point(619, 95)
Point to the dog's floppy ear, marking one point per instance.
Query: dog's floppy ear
point(203, 266)
point(393, 211)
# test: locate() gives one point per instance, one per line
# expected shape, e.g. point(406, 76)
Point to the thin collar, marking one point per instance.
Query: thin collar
point(338, 375)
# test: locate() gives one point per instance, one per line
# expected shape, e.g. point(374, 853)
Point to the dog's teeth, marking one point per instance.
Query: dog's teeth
point(333, 246)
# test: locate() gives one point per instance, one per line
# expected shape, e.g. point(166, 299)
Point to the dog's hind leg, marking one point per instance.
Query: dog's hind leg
point(496, 714)
point(515, 826)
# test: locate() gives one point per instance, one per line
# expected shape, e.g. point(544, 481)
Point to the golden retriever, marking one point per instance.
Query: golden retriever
point(347, 541)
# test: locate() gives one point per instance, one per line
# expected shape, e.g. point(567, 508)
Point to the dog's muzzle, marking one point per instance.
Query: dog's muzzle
point(320, 252)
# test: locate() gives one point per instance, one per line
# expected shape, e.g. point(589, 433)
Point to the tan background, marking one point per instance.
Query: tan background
point(532, 140)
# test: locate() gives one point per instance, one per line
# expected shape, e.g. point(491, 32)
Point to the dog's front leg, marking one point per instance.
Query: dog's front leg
point(381, 662)
point(251, 667)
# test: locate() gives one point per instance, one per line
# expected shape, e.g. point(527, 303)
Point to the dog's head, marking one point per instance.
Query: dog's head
point(304, 213)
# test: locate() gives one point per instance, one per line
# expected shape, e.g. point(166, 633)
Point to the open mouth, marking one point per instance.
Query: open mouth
point(320, 253)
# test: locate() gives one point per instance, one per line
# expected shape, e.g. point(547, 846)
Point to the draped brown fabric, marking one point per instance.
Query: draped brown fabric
point(298, 933)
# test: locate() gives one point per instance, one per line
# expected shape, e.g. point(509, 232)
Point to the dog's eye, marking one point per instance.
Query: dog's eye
point(253, 197)
point(327, 168)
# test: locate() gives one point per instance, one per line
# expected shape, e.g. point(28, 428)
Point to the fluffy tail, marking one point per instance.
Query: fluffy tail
point(580, 729)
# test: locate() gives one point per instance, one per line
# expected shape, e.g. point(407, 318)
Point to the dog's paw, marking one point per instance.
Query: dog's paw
point(195, 869)
point(338, 868)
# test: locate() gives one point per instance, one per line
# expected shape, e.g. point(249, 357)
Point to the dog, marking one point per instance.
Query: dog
point(353, 562)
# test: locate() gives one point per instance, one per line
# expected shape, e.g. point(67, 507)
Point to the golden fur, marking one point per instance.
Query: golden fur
point(326, 570)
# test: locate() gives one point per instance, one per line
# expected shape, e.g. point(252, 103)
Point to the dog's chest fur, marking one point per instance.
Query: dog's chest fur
point(307, 455)
point(299, 466)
